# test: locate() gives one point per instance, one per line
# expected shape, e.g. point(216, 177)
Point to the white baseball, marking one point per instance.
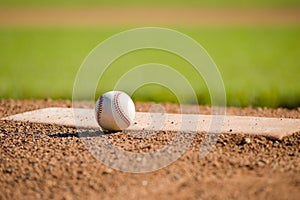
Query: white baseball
point(114, 111)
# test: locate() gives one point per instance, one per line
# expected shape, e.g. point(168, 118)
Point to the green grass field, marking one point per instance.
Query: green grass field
point(260, 66)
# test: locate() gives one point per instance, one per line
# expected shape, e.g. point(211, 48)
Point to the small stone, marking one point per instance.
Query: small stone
point(247, 140)
point(8, 170)
point(144, 183)
point(107, 171)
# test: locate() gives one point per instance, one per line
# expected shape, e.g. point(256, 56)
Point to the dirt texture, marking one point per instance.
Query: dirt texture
point(51, 162)
point(148, 16)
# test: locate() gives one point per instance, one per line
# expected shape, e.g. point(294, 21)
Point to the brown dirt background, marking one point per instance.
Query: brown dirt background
point(148, 16)
point(50, 162)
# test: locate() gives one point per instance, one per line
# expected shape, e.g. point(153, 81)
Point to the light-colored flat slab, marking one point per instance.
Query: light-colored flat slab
point(276, 127)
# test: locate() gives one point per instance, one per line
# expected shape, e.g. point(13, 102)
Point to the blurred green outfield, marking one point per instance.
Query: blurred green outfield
point(260, 66)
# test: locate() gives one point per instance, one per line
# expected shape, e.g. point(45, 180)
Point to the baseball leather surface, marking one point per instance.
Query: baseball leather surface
point(114, 111)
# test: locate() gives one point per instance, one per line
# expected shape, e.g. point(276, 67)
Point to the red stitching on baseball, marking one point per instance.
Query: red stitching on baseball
point(99, 110)
point(119, 110)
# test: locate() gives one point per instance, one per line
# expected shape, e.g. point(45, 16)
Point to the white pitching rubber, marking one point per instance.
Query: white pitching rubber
point(85, 118)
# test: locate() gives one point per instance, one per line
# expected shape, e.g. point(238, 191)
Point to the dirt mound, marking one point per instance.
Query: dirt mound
point(45, 161)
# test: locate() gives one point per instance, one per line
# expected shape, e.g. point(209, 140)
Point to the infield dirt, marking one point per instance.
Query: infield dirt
point(46, 161)
point(152, 16)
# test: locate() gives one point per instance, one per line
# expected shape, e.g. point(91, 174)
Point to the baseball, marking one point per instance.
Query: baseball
point(114, 111)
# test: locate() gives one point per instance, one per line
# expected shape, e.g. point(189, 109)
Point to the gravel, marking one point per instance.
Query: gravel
point(45, 161)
